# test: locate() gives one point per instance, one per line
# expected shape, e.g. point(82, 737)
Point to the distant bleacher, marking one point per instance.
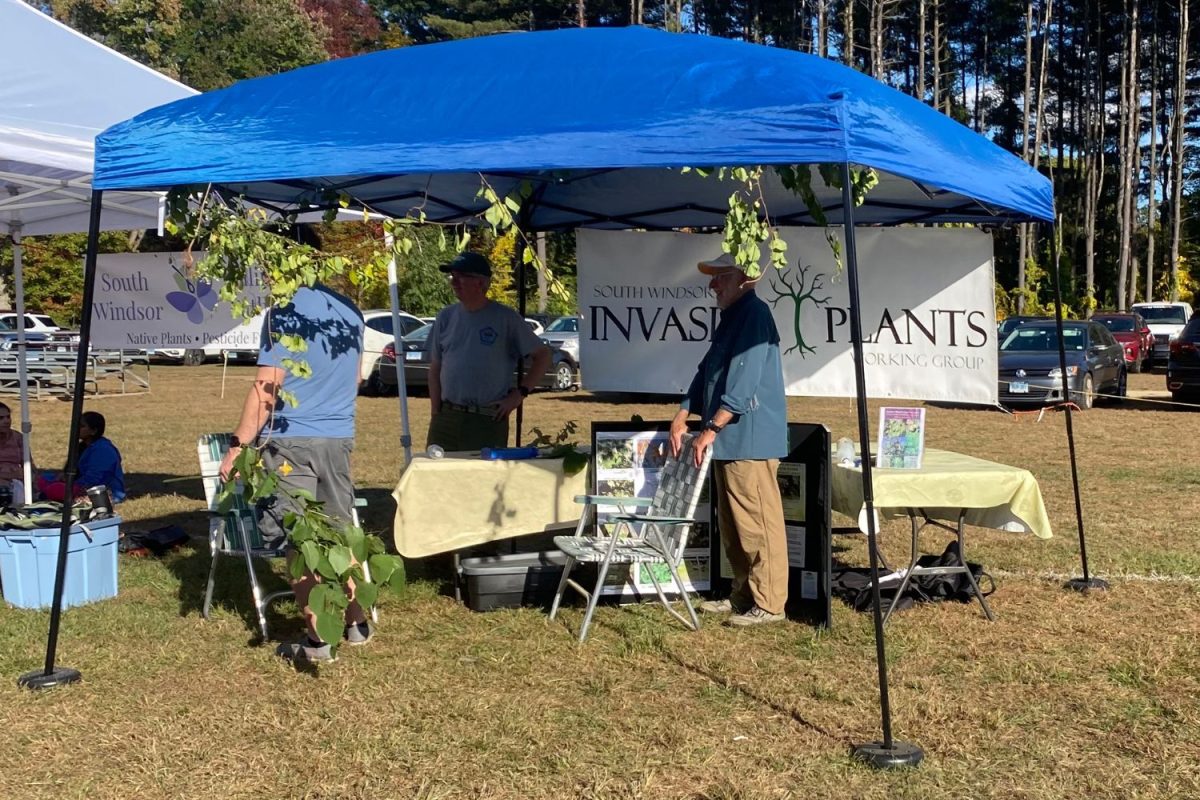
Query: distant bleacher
point(50, 371)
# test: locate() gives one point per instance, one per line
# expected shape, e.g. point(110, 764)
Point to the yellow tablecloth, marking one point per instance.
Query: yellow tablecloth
point(445, 504)
point(994, 495)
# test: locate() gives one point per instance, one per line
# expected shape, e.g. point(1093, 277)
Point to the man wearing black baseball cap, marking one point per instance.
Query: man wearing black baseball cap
point(474, 349)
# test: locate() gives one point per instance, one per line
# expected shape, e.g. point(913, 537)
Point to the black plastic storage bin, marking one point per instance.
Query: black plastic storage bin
point(512, 581)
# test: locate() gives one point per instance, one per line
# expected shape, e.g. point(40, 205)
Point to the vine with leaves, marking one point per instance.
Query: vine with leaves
point(748, 220)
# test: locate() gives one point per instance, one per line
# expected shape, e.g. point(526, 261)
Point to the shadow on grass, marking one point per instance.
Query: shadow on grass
point(643, 632)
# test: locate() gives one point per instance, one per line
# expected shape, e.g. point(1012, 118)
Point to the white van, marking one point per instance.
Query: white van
point(1166, 321)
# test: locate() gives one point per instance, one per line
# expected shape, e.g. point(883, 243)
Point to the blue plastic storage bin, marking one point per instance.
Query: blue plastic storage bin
point(28, 560)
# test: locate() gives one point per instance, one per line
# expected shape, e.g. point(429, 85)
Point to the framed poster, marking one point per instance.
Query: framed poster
point(629, 457)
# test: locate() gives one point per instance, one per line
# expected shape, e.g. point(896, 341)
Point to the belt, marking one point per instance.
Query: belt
point(490, 411)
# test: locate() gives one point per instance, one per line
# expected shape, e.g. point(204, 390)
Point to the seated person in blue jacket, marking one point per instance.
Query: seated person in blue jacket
point(99, 464)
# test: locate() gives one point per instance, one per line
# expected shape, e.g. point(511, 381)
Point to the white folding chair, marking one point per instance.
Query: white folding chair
point(656, 536)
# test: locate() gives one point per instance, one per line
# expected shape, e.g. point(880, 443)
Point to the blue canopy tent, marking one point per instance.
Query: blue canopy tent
point(599, 121)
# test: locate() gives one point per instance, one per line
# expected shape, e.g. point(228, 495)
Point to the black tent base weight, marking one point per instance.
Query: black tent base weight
point(880, 756)
point(1086, 585)
point(40, 679)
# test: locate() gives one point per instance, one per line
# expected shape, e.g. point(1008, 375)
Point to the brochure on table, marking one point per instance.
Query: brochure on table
point(629, 458)
point(901, 443)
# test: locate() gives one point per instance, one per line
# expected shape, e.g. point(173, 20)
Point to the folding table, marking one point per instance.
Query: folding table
point(948, 486)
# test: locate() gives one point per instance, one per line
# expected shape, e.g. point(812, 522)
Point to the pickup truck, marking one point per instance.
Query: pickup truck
point(1166, 321)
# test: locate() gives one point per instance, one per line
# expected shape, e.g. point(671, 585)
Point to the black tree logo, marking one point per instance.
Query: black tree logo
point(799, 295)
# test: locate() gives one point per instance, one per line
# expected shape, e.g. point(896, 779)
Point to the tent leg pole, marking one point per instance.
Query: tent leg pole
point(886, 754)
point(1087, 582)
point(52, 675)
point(22, 370)
point(401, 384)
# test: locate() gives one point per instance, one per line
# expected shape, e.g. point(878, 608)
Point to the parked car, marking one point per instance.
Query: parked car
point(33, 322)
point(1166, 320)
point(1183, 362)
point(562, 374)
point(378, 334)
point(1133, 334)
point(1030, 372)
point(1010, 324)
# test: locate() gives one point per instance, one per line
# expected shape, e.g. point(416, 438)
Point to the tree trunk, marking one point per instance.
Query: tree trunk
point(1177, 152)
point(1023, 229)
point(823, 28)
point(1152, 206)
point(936, 52)
point(1129, 167)
point(921, 50)
point(848, 30)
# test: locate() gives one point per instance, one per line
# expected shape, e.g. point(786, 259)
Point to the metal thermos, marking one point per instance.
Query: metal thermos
point(101, 502)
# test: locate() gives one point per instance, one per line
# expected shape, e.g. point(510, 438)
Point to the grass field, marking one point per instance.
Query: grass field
point(1063, 696)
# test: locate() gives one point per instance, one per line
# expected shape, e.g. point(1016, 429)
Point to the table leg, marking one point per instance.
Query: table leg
point(962, 557)
point(912, 565)
point(961, 567)
point(457, 566)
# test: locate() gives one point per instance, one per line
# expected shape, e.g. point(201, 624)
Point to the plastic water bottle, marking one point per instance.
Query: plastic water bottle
point(845, 451)
point(435, 451)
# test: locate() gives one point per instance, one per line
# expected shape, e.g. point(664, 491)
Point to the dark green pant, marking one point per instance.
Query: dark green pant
point(463, 430)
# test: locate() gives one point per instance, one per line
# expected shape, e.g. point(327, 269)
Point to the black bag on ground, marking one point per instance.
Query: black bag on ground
point(159, 541)
point(853, 585)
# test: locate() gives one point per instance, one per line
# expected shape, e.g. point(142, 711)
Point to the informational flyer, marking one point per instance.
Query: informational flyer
point(629, 463)
point(901, 438)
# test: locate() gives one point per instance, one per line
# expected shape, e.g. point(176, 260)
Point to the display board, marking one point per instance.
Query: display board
point(804, 485)
point(628, 459)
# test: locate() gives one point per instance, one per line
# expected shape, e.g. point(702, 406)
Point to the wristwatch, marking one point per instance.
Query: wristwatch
point(524, 390)
point(711, 425)
point(234, 441)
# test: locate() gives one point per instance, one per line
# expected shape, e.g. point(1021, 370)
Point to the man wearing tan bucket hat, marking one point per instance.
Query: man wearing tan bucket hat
point(738, 392)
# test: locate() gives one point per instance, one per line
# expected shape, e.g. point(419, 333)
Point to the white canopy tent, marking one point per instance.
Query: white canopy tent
point(60, 89)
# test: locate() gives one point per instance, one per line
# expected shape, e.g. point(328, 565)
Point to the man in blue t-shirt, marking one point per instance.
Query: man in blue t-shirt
point(308, 444)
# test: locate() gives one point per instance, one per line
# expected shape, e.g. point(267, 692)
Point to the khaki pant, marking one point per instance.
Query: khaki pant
point(463, 430)
point(750, 514)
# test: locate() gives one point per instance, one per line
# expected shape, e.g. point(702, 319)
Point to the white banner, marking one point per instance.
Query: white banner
point(147, 301)
point(928, 312)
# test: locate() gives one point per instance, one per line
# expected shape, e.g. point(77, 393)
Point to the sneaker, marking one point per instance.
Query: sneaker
point(755, 616)
point(358, 633)
point(303, 651)
point(716, 606)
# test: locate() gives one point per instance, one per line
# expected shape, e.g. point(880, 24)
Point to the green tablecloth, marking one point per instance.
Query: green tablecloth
point(445, 504)
point(994, 495)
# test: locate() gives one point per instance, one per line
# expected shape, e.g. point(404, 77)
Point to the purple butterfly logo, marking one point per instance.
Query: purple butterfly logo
point(194, 298)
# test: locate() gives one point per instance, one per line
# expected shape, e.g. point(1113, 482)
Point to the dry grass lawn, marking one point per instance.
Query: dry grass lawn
point(1063, 696)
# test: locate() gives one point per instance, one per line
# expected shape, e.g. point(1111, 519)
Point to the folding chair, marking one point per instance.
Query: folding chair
point(227, 532)
point(657, 536)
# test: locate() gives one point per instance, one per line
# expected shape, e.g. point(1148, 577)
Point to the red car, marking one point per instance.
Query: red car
point(1133, 334)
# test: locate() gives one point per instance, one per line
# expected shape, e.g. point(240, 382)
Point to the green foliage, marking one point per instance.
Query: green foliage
point(224, 41)
point(326, 547)
point(747, 223)
point(144, 30)
point(560, 446)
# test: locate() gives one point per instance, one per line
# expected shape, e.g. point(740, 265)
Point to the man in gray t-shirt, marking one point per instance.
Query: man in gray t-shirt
point(474, 349)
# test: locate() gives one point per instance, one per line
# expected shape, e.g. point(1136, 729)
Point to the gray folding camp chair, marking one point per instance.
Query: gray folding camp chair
point(658, 535)
point(235, 532)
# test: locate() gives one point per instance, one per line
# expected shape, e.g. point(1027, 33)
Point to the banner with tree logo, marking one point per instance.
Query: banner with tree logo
point(928, 312)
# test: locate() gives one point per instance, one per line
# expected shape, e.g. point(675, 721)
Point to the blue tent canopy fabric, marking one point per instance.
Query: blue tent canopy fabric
point(599, 119)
